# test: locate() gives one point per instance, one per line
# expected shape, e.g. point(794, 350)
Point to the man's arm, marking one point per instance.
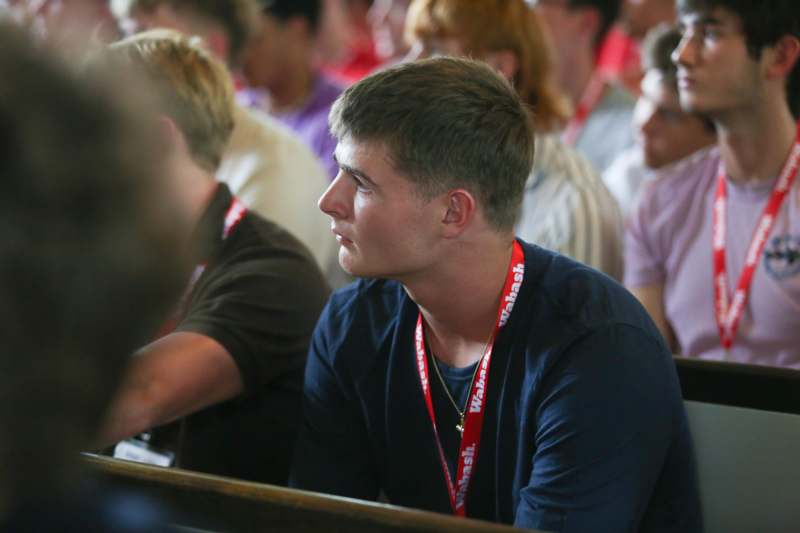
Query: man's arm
point(652, 298)
point(333, 450)
point(607, 419)
point(172, 377)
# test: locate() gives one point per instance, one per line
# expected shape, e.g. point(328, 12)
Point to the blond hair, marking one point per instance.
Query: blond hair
point(493, 25)
point(194, 89)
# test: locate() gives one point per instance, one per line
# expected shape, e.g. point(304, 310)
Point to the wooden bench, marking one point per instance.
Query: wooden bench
point(210, 503)
point(745, 422)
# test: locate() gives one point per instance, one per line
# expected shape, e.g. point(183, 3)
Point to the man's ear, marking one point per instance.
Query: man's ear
point(782, 57)
point(459, 213)
point(505, 62)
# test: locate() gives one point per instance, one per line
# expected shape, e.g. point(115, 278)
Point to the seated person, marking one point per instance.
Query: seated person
point(665, 134)
point(264, 164)
point(85, 226)
point(600, 125)
point(713, 252)
point(229, 367)
point(280, 62)
point(473, 373)
point(565, 206)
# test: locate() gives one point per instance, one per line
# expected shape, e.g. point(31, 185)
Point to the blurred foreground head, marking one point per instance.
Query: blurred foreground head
point(87, 262)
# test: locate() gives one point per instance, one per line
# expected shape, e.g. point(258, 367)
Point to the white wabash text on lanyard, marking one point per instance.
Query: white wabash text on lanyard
point(728, 312)
point(476, 402)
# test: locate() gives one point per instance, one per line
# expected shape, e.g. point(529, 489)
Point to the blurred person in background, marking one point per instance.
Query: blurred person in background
point(713, 252)
point(227, 368)
point(88, 235)
point(665, 133)
point(359, 57)
point(265, 165)
point(280, 61)
point(565, 207)
point(69, 26)
point(387, 19)
point(619, 55)
point(602, 110)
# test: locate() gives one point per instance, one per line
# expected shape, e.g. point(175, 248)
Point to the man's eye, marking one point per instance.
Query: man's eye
point(360, 185)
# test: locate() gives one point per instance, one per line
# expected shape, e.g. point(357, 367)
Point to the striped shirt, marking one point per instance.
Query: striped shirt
point(567, 209)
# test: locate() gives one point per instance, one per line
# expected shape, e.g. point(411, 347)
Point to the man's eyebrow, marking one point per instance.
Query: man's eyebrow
point(709, 20)
point(354, 171)
point(699, 20)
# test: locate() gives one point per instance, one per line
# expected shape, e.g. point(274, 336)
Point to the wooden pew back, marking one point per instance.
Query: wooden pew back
point(211, 503)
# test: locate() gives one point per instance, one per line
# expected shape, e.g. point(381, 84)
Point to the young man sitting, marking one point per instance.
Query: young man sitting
point(714, 252)
point(473, 373)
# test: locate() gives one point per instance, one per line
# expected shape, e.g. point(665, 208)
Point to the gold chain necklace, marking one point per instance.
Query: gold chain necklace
point(461, 412)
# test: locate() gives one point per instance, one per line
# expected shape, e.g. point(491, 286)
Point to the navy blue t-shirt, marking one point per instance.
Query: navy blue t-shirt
point(584, 428)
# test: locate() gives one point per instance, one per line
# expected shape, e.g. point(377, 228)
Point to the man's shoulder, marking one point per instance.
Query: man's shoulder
point(326, 90)
point(570, 295)
point(674, 187)
point(376, 301)
point(555, 159)
point(359, 321)
point(262, 242)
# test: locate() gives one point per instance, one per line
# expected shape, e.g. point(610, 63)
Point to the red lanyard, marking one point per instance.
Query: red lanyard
point(235, 213)
point(589, 100)
point(729, 312)
point(471, 438)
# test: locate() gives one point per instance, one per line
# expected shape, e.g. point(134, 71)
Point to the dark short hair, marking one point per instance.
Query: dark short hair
point(284, 10)
point(446, 123)
point(87, 268)
point(608, 10)
point(763, 24)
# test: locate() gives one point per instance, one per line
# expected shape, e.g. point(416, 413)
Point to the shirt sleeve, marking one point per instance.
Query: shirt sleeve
point(261, 307)
point(604, 426)
point(332, 455)
point(644, 264)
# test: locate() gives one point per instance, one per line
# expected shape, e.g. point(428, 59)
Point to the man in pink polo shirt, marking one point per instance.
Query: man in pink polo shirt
point(713, 252)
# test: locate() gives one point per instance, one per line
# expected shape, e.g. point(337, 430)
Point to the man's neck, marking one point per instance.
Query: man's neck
point(459, 300)
point(293, 89)
point(195, 186)
point(755, 142)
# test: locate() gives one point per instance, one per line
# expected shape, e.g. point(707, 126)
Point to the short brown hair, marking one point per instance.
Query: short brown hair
point(194, 89)
point(446, 123)
point(491, 25)
point(239, 18)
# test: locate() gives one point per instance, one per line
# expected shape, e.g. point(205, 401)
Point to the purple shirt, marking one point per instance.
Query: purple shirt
point(310, 122)
point(668, 241)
